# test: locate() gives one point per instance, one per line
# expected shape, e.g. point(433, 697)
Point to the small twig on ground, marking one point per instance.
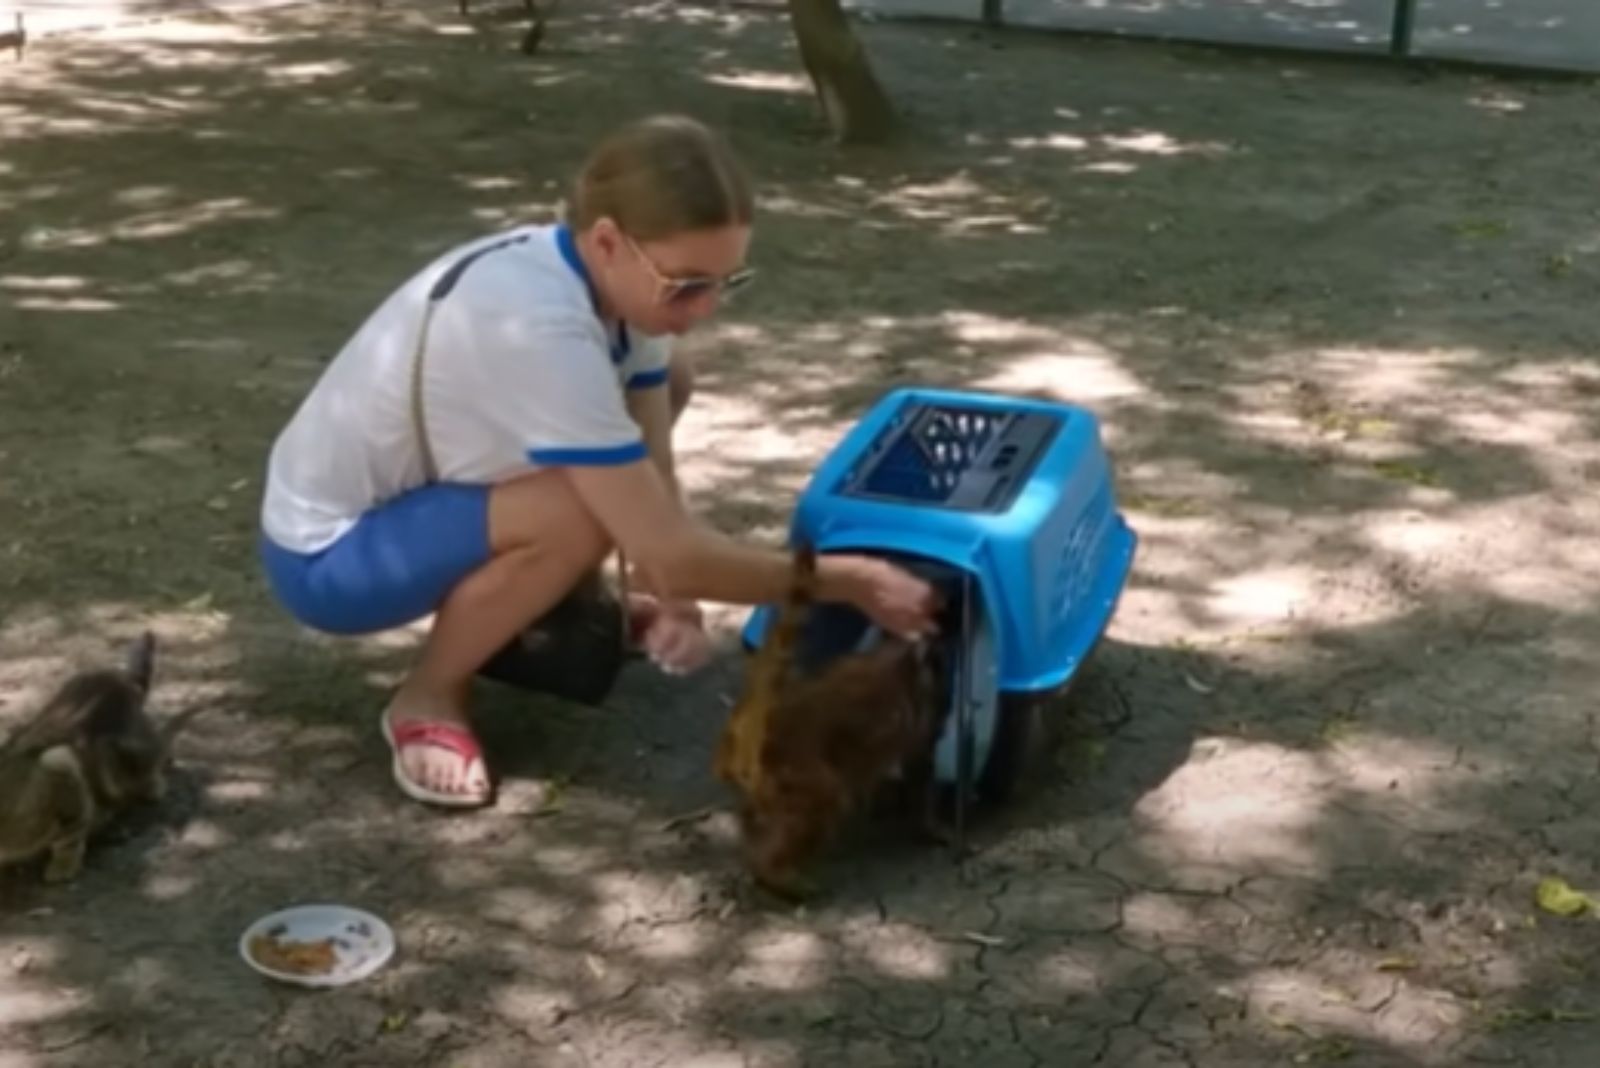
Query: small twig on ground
point(689, 817)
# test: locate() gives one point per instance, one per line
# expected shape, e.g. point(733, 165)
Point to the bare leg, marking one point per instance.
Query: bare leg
point(544, 541)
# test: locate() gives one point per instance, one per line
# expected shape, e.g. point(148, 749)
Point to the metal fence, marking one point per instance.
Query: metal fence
point(1561, 35)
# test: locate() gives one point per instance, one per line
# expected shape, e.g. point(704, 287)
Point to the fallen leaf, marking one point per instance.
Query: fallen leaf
point(1197, 686)
point(1397, 964)
point(555, 799)
point(395, 1021)
point(1555, 896)
point(1339, 727)
point(1558, 265)
point(982, 939)
point(1399, 471)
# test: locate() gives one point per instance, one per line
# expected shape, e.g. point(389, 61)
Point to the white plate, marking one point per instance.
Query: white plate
point(362, 942)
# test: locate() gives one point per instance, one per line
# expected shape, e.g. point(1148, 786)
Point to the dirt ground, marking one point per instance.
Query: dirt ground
point(1338, 319)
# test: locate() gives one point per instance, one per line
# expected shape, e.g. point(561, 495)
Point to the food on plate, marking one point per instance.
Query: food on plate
point(272, 951)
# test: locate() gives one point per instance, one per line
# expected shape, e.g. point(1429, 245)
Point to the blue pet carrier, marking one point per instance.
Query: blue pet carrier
point(1008, 505)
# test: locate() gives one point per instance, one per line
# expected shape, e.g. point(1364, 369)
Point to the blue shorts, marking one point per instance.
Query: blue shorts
point(396, 565)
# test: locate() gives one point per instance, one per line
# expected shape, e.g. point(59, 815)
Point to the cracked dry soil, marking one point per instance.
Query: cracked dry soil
point(1337, 319)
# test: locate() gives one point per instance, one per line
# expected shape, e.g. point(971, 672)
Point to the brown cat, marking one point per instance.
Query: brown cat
point(805, 750)
point(90, 753)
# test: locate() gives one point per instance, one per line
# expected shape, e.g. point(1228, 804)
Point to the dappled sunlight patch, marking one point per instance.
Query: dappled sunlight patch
point(238, 791)
point(66, 304)
point(1155, 143)
point(1383, 768)
point(1410, 533)
point(535, 1004)
point(144, 196)
point(782, 960)
point(1109, 166)
point(1382, 376)
point(51, 283)
point(1138, 143)
point(765, 81)
point(297, 74)
point(168, 886)
point(1066, 972)
point(1262, 596)
point(29, 953)
point(725, 436)
point(1160, 919)
point(537, 912)
point(1519, 550)
point(1059, 142)
point(783, 204)
point(173, 222)
point(1320, 1017)
point(487, 183)
point(1086, 373)
point(900, 951)
point(568, 859)
point(188, 32)
point(978, 328)
point(36, 1003)
point(229, 270)
point(1240, 804)
point(932, 200)
point(205, 835)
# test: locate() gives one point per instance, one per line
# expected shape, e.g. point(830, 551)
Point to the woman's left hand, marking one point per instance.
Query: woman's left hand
point(676, 639)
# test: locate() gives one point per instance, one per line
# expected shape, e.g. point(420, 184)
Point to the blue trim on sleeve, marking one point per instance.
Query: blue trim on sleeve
point(648, 379)
point(603, 456)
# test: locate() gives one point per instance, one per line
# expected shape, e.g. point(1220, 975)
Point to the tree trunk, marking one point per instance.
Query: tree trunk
point(852, 99)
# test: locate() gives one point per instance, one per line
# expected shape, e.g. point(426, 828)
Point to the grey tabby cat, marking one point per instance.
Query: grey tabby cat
point(89, 754)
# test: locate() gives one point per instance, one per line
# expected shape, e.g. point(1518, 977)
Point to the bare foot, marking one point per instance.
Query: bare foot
point(439, 756)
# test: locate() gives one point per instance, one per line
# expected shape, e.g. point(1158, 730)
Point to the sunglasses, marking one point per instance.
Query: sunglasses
point(682, 289)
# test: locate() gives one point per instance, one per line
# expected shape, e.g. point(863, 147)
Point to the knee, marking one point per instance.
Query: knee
point(541, 517)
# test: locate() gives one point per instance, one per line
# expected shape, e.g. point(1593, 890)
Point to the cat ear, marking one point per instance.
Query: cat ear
point(142, 661)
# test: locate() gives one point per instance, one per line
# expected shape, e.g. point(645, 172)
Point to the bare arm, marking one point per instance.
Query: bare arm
point(652, 410)
point(679, 558)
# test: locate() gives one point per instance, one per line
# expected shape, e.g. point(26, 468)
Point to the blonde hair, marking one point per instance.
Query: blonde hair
point(661, 176)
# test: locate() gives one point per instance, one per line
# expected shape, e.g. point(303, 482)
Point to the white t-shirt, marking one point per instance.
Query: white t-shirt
point(520, 373)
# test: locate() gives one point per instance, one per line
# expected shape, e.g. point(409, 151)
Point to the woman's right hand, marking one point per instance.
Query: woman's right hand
point(892, 597)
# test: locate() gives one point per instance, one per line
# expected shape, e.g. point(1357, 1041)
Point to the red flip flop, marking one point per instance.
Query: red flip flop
point(457, 740)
